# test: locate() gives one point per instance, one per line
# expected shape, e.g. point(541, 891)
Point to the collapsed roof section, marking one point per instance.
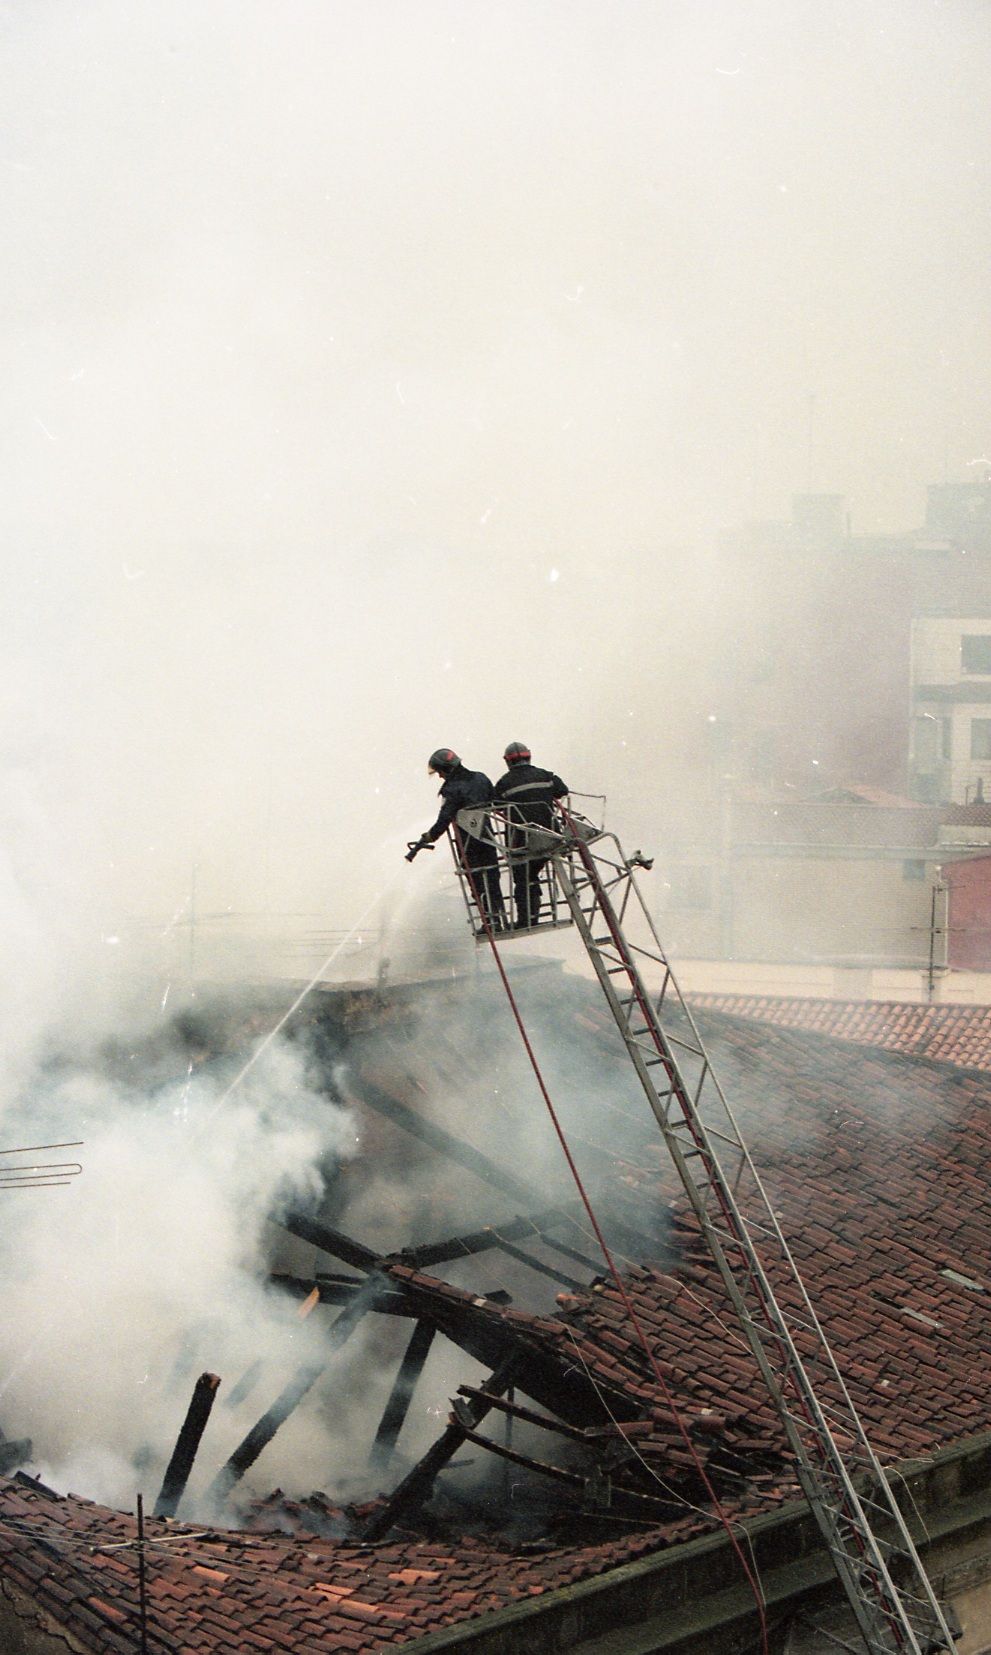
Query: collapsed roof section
point(875, 1164)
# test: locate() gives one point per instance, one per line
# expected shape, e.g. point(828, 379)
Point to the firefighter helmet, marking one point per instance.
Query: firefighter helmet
point(443, 761)
point(517, 753)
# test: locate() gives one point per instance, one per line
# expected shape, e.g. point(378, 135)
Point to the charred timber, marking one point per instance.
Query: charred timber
point(302, 1381)
point(416, 1485)
point(600, 1493)
point(527, 1416)
point(342, 1290)
point(330, 1241)
point(188, 1441)
point(504, 1452)
point(480, 1241)
point(551, 1378)
point(245, 1385)
point(397, 1407)
point(593, 1267)
point(538, 1268)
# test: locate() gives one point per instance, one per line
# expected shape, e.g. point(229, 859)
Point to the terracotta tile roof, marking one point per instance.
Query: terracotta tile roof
point(229, 1592)
point(876, 1163)
point(947, 1034)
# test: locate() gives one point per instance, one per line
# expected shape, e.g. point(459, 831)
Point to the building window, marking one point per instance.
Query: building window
point(975, 653)
point(913, 870)
point(980, 738)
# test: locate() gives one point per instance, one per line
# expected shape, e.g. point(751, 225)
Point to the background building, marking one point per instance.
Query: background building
point(847, 753)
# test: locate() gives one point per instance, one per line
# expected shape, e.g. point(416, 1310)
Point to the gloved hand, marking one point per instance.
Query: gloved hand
point(414, 846)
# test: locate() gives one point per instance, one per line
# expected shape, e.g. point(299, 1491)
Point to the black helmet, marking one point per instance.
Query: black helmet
point(517, 753)
point(443, 761)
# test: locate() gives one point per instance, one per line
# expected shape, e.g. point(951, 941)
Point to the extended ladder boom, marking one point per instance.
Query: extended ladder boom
point(841, 1477)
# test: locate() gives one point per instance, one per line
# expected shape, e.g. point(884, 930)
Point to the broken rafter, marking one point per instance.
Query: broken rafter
point(245, 1385)
point(593, 1268)
point(397, 1407)
point(613, 1491)
point(188, 1441)
point(501, 1236)
point(504, 1452)
point(479, 1241)
point(540, 1269)
point(261, 1434)
point(416, 1485)
point(342, 1290)
point(330, 1241)
point(529, 1416)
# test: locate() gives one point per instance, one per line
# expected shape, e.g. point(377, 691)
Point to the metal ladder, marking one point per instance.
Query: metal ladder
point(840, 1475)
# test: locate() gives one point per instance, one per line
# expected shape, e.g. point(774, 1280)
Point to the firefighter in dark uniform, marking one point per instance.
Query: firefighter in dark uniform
point(528, 794)
point(465, 789)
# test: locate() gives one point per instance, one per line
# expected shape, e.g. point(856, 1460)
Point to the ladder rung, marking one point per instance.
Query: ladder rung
point(827, 1441)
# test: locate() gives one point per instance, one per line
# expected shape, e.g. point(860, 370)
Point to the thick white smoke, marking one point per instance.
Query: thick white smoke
point(374, 378)
point(160, 1244)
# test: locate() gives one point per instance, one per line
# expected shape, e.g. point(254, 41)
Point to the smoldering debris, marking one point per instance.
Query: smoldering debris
point(163, 1249)
point(340, 1247)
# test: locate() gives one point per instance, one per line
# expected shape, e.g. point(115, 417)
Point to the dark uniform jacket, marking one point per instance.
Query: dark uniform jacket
point(462, 789)
point(528, 794)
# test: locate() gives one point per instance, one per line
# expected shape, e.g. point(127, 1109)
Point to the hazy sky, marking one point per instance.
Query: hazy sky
point(375, 376)
point(378, 376)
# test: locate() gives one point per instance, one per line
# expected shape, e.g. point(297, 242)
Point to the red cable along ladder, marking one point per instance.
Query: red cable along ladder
point(843, 1481)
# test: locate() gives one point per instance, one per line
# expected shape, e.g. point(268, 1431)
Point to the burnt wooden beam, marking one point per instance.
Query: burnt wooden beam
point(504, 1452)
point(593, 1266)
point(188, 1441)
point(397, 1407)
point(540, 1269)
point(528, 1416)
point(445, 1142)
point(600, 1492)
point(330, 1241)
point(391, 1301)
point(502, 1236)
point(305, 1377)
point(480, 1241)
point(416, 1485)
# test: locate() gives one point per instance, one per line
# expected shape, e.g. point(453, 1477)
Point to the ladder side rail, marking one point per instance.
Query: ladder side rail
point(701, 1147)
point(876, 1469)
point(657, 956)
point(466, 884)
point(847, 1567)
point(820, 1437)
point(696, 1189)
point(735, 1137)
point(870, 1564)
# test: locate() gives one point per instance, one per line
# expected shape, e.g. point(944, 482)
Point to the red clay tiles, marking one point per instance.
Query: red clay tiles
point(958, 1034)
point(876, 1165)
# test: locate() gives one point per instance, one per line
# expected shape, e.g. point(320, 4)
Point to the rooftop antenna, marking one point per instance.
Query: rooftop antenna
point(141, 1544)
point(37, 1175)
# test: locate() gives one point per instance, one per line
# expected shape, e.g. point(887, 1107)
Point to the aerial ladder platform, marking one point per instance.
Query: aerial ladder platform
point(588, 882)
